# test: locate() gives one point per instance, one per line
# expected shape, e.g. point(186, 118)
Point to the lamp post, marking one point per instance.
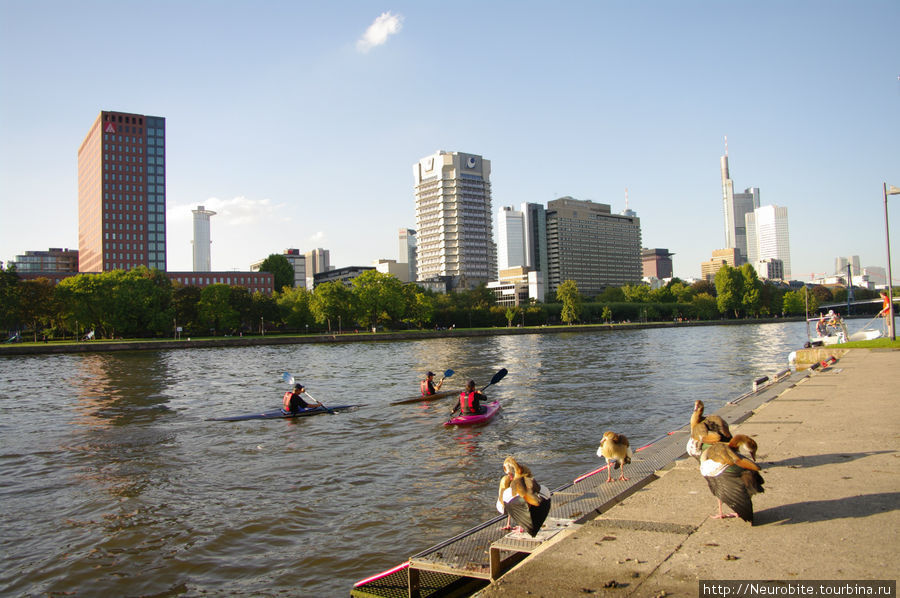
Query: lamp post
point(890, 281)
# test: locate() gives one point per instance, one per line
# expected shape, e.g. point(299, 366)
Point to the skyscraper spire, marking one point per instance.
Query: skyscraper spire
point(726, 146)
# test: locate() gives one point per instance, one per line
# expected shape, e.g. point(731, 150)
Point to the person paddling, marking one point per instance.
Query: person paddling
point(470, 401)
point(293, 402)
point(427, 385)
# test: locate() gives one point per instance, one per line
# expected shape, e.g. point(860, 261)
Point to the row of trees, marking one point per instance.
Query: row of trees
point(146, 303)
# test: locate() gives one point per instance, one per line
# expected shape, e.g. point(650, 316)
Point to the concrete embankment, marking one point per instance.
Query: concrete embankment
point(95, 346)
point(830, 511)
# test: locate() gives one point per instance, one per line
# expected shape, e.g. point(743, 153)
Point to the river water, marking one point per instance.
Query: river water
point(114, 483)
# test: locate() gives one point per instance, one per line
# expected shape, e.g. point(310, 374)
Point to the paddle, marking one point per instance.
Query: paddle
point(495, 379)
point(290, 380)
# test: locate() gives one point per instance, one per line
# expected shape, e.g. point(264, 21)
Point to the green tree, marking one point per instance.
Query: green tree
point(705, 306)
point(264, 308)
point(420, 306)
point(636, 293)
point(512, 312)
point(294, 307)
point(281, 270)
point(704, 286)
point(606, 314)
point(36, 302)
point(751, 300)
point(331, 302)
point(683, 293)
point(611, 295)
point(9, 297)
point(797, 302)
point(186, 308)
point(568, 294)
point(378, 297)
point(729, 290)
point(90, 301)
point(661, 295)
point(215, 309)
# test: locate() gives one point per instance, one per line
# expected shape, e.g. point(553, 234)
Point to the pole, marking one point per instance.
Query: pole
point(890, 280)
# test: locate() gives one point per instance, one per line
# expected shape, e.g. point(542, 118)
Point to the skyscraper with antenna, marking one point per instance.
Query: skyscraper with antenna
point(736, 206)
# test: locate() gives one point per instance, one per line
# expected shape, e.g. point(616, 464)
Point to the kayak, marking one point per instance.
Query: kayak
point(280, 413)
point(438, 395)
point(468, 420)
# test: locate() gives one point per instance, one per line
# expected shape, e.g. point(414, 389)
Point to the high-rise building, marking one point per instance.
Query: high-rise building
point(736, 206)
point(767, 236)
point(841, 263)
point(407, 238)
point(720, 257)
point(536, 241)
point(54, 259)
point(122, 193)
point(454, 229)
point(317, 262)
point(589, 244)
point(202, 240)
point(510, 238)
point(657, 262)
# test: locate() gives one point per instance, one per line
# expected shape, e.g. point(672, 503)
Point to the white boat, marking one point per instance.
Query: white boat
point(831, 330)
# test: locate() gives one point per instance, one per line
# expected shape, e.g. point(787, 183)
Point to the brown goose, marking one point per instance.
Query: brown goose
point(614, 447)
point(732, 478)
point(705, 430)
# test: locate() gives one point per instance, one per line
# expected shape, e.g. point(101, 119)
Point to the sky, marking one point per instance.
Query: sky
point(299, 122)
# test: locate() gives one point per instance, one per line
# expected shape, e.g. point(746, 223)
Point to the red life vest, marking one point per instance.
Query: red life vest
point(427, 387)
point(286, 401)
point(467, 402)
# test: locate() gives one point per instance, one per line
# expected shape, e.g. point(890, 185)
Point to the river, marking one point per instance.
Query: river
point(115, 484)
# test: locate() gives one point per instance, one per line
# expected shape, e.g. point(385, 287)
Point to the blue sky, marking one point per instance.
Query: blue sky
point(301, 130)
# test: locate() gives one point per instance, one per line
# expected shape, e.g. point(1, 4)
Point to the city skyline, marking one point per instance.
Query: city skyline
point(297, 122)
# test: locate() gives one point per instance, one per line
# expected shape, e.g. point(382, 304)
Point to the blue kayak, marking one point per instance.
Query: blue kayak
point(281, 414)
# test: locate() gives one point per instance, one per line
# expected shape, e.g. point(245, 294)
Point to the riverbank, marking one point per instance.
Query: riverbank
point(345, 337)
point(828, 448)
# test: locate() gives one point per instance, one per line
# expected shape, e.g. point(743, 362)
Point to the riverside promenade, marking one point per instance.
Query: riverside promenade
point(829, 448)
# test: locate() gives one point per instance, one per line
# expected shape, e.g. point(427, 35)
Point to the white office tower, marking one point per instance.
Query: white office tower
point(736, 206)
point(407, 255)
point(510, 238)
point(454, 229)
point(767, 236)
point(841, 263)
point(201, 240)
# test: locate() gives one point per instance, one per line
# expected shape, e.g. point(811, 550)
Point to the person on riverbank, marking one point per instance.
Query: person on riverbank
point(822, 326)
point(427, 385)
point(522, 498)
point(470, 401)
point(293, 401)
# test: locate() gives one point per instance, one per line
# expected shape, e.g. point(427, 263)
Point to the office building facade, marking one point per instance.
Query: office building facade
point(122, 193)
point(454, 228)
point(767, 236)
point(510, 238)
point(592, 246)
point(202, 242)
point(317, 261)
point(54, 259)
point(657, 263)
point(407, 254)
point(736, 206)
point(720, 257)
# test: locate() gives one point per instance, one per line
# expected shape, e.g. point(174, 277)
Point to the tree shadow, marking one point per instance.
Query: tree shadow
point(807, 461)
point(812, 511)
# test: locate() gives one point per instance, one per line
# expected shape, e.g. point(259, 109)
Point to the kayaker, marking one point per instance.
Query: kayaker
point(293, 402)
point(427, 385)
point(470, 401)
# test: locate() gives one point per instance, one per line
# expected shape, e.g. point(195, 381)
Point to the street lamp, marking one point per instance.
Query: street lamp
point(890, 281)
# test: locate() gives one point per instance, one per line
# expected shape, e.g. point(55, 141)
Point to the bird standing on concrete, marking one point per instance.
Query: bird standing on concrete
point(518, 483)
point(732, 478)
point(705, 430)
point(614, 447)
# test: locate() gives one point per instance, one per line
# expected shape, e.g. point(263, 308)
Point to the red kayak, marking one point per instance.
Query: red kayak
point(468, 420)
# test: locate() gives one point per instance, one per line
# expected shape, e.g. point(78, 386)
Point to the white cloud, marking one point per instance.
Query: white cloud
point(379, 31)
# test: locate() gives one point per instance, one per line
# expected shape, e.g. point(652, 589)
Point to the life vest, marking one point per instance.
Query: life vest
point(425, 388)
point(467, 402)
point(286, 401)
